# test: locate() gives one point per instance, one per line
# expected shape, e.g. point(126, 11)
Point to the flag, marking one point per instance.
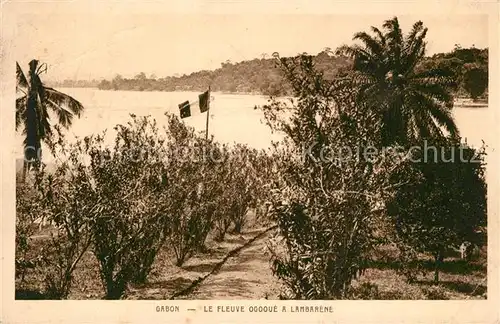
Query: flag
point(185, 109)
point(203, 100)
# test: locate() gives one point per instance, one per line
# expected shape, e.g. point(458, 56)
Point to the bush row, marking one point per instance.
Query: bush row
point(125, 210)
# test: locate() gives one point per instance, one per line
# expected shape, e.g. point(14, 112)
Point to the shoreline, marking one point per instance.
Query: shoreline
point(459, 103)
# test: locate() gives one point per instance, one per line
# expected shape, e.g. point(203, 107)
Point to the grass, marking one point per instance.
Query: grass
point(458, 279)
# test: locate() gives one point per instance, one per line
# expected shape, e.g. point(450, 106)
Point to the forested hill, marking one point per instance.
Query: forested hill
point(255, 76)
point(262, 76)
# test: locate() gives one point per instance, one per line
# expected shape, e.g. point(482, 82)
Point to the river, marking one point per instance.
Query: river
point(232, 116)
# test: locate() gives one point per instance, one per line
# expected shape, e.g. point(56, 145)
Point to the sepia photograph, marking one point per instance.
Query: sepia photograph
point(183, 155)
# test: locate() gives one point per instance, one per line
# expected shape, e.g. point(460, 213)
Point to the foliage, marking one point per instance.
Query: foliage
point(127, 238)
point(475, 80)
point(28, 210)
point(326, 203)
point(412, 104)
point(243, 184)
point(194, 180)
point(445, 203)
point(223, 197)
point(55, 199)
point(458, 62)
point(237, 193)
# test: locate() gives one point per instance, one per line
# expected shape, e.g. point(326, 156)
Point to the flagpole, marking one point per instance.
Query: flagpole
point(208, 113)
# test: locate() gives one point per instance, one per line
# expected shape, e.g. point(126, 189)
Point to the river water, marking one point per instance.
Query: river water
point(232, 116)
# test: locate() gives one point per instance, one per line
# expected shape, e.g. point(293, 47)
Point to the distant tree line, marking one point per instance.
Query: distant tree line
point(254, 76)
point(469, 66)
point(75, 83)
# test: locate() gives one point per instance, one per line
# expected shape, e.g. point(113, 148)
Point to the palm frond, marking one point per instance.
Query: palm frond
point(373, 95)
point(414, 52)
point(64, 117)
point(435, 91)
point(394, 33)
point(346, 50)
point(411, 104)
point(413, 129)
point(371, 44)
point(394, 37)
point(417, 28)
point(427, 126)
point(422, 126)
point(381, 37)
point(61, 99)
point(22, 82)
point(364, 61)
point(440, 114)
point(44, 121)
point(355, 51)
point(416, 59)
point(20, 109)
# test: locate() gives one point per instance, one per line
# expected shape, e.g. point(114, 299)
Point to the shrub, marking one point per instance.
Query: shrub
point(445, 203)
point(131, 203)
point(222, 219)
point(28, 209)
point(244, 178)
point(193, 181)
point(325, 208)
point(129, 199)
point(242, 184)
point(475, 80)
point(54, 197)
point(108, 199)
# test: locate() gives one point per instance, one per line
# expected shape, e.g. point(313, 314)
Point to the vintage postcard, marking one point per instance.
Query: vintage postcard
point(247, 162)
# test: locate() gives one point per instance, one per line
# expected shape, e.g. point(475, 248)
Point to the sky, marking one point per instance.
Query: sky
point(95, 45)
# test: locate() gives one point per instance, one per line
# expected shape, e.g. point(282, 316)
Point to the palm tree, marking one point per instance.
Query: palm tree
point(413, 103)
point(32, 108)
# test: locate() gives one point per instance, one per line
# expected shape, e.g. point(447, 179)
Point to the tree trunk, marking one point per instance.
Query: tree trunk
point(114, 290)
point(237, 227)
point(181, 258)
point(439, 259)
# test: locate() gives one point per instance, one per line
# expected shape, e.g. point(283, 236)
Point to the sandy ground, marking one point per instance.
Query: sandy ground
point(246, 275)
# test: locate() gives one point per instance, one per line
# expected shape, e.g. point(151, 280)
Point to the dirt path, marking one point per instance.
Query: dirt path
point(246, 275)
